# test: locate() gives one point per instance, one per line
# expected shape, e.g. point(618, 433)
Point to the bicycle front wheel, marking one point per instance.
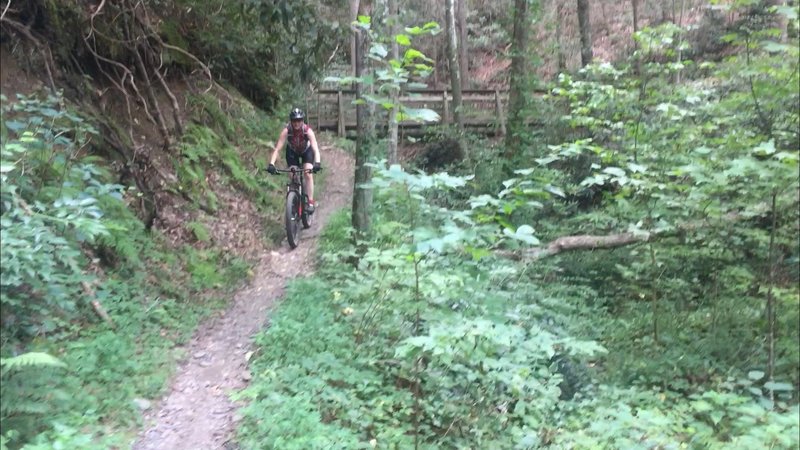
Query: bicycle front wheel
point(305, 217)
point(292, 218)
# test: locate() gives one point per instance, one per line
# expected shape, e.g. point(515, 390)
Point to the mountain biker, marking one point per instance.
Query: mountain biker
point(301, 144)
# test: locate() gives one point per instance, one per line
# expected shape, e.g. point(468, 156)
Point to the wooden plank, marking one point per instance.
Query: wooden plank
point(499, 113)
point(482, 108)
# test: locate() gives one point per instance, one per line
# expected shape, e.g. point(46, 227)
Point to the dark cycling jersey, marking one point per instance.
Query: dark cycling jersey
point(299, 142)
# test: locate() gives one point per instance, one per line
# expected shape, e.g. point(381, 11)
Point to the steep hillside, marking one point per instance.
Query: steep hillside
point(133, 206)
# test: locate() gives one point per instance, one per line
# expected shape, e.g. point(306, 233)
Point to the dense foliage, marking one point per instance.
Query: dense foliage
point(627, 277)
point(92, 303)
point(682, 334)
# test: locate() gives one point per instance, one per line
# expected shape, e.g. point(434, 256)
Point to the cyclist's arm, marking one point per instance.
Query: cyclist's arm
point(313, 139)
point(278, 146)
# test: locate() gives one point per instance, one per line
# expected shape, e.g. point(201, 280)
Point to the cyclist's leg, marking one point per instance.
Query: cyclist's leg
point(308, 163)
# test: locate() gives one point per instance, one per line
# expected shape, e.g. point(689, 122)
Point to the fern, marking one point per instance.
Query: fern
point(35, 359)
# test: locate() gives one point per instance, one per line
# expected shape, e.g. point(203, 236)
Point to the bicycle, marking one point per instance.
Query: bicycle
point(296, 204)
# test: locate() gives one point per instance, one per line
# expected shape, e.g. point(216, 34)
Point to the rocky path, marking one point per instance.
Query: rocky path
point(197, 414)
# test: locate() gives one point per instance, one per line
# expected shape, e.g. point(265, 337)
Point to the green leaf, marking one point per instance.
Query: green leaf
point(776, 47)
point(403, 40)
point(555, 191)
point(789, 12)
point(428, 28)
point(418, 115)
point(637, 168)
point(616, 171)
point(764, 148)
point(30, 359)
point(379, 50)
point(786, 156)
point(755, 374)
point(15, 125)
point(547, 160)
point(523, 233)
point(416, 85)
point(716, 416)
point(775, 386)
point(412, 54)
point(49, 112)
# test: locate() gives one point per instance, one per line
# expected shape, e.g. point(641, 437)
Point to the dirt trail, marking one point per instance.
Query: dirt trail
point(197, 414)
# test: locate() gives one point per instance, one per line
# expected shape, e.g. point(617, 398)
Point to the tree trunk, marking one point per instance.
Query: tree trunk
point(561, 57)
point(783, 23)
point(353, 17)
point(680, 51)
point(362, 195)
point(393, 26)
point(635, 8)
point(452, 59)
point(585, 25)
point(518, 76)
point(463, 61)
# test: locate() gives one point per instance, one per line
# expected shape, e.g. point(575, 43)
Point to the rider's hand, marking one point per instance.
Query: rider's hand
point(317, 167)
point(271, 169)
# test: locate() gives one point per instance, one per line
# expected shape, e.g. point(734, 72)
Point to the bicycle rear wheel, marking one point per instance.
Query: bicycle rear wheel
point(292, 218)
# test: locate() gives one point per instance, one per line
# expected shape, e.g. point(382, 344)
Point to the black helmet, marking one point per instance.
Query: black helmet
point(297, 114)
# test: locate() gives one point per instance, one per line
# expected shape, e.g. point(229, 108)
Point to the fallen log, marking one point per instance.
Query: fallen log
point(98, 308)
point(593, 242)
point(578, 242)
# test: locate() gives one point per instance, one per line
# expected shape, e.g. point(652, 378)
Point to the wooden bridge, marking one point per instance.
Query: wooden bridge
point(483, 109)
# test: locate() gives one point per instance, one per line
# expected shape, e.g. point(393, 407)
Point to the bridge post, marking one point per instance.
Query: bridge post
point(307, 109)
point(498, 113)
point(340, 128)
point(445, 108)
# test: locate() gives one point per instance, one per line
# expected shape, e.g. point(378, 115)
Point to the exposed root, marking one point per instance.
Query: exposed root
point(43, 48)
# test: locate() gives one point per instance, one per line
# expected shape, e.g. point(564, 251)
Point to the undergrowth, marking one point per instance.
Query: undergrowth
point(70, 238)
point(432, 342)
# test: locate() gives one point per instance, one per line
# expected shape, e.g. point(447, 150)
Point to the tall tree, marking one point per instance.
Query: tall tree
point(679, 23)
point(561, 57)
point(463, 61)
point(353, 14)
point(518, 74)
point(585, 25)
point(394, 17)
point(452, 59)
point(635, 8)
point(362, 195)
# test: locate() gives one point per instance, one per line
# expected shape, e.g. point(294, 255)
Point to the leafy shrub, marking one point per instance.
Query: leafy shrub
point(49, 217)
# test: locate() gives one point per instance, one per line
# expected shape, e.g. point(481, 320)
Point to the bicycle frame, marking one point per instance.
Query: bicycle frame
point(296, 203)
point(296, 181)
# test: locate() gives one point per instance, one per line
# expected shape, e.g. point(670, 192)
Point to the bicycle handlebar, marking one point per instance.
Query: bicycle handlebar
point(294, 170)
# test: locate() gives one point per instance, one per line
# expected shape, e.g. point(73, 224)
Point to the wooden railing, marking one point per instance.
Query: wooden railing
point(333, 110)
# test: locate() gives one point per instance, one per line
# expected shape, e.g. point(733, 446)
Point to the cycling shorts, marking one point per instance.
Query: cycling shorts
point(293, 158)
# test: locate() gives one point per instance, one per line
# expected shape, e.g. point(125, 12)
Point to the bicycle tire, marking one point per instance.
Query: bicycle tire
point(292, 219)
point(305, 218)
